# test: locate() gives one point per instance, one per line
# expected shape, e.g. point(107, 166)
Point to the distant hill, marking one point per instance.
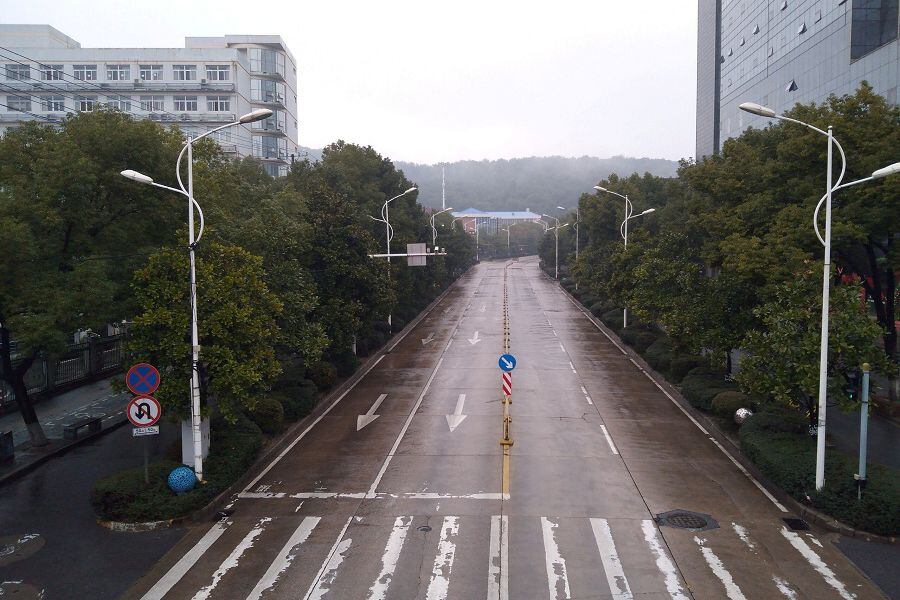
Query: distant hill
point(537, 183)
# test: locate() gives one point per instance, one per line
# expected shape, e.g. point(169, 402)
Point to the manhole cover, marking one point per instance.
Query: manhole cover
point(425, 528)
point(685, 519)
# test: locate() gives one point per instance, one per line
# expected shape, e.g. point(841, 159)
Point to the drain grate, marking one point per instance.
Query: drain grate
point(796, 524)
point(686, 519)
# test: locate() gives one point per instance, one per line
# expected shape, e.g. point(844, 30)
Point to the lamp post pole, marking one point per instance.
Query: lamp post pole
point(194, 383)
point(388, 230)
point(623, 231)
point(556, 241)
point(433, 228)
point(830, 187)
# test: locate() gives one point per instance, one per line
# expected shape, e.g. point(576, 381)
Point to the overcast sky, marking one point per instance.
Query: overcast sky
point(428, 82)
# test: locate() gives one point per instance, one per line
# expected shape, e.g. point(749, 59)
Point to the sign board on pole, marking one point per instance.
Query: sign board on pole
point(143, 411)
point(142, 379)
point(141, 431)
point(416, 261)
point(507, 362)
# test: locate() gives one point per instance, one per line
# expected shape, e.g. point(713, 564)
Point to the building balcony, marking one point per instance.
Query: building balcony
point(117, 87)
point(192, 117)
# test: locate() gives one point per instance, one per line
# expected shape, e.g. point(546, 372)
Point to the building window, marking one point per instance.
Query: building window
point(186, 103)
point(153, 103)
point(18, 72)
point(266, 61)
point(118, 72)
point(218, 72)
point(802, 28)
point(86, 103)
point(51, 72)
point(122, 103)
point(184, 72)
point(755, 29)
point(18, 103)
point(151, 72)
point(266, 90)
point(218, 103)
point(85, 72)
point(874, 25)
point(54, 104)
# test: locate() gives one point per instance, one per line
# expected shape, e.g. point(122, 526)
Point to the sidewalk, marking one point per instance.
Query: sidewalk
point(91, 400)
point(883, 438)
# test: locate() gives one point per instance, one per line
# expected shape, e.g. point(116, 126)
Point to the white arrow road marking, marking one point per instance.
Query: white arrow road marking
point(457, 417)
point(363, 420)
point(428, 340)
point(474, 339)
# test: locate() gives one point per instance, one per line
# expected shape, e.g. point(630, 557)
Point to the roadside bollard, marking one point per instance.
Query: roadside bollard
point(863, 432)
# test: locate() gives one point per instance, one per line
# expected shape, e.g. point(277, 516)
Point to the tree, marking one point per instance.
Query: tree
point(238, 321)
point(74, 230)
point(782, 364)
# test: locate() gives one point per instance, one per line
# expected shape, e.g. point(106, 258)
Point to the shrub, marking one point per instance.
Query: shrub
point(612, 318)
point(398, 323)
point(643, 339)
point(268, 414)
point(297, 401)
point(345, 363)
point(598, 308)
point(660, 353)
point(701, 385)
point(788, 460)
point(124, 496)
point(682, 364)
point(726, 403)
point(588, 299)
point(323, 374)
point(293, 370)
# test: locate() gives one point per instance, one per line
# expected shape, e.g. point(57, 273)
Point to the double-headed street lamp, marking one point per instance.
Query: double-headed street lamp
point(555, 229)
point(830, 187)
point(388, 230)
point(577, 227)
point(256, 115)
point(623, 230)
point(433, 228)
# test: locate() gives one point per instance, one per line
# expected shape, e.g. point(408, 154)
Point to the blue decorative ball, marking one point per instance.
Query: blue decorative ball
point(181, 480)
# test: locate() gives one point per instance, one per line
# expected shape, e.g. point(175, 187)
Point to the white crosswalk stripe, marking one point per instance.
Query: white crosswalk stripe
point(645, 546)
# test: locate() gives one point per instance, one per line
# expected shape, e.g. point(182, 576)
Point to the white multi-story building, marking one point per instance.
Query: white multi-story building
point(45, 74)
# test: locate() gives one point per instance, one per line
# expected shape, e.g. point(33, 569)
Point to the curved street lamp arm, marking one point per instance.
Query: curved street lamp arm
point(822, 201)
point(836, 186)
point(813, 127)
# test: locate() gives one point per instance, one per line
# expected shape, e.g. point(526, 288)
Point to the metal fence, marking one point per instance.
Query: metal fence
point(82, 362)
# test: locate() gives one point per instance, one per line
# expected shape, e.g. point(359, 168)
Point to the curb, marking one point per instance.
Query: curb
point(60, 450)
point(805, 512)
point(271, 449)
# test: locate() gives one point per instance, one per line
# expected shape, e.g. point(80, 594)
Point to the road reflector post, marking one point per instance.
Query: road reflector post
point(863, 432)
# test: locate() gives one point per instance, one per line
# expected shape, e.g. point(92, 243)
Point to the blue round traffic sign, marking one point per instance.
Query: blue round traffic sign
point(507, 362)
point(142, 379)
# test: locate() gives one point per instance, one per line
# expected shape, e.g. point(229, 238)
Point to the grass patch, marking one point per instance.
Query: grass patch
point(788, 458)
point(125, 497)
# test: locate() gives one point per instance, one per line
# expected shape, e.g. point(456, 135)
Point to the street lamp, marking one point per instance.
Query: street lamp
point(256, 115)
point(388, 230)
point(830, 187)
point(577, 228)
point(433, 228)
point(555, 229)
point(623, 230)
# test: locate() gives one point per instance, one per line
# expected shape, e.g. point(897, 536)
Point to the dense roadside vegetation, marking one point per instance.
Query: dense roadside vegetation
point(289, 299)
point(728, 267)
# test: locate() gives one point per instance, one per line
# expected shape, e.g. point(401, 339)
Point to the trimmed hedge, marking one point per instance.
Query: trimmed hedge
point(725, 404)
point(660, 353)
point(323, 374)
point(682, 364)
point(125, 497)
point(612, 318)
point(268, 414)
point(702, 384)
point(297, 401)
point(788, 459)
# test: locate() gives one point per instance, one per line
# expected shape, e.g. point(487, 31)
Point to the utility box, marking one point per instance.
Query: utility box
point(416, 261)
point(187, 441)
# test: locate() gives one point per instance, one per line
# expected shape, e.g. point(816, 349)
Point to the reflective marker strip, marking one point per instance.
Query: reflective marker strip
point(557, 577)
point(389, 559)
point(284, 558)
point(174, 575)
point(498, 568)
point(615, 576)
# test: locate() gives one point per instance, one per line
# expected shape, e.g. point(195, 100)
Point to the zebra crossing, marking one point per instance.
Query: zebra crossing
point(458, 556)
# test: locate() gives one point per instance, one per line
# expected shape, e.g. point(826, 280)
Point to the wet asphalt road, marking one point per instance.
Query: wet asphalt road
point(414, 503)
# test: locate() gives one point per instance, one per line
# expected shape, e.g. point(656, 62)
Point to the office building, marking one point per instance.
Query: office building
point(46, 74)
point(781, 52)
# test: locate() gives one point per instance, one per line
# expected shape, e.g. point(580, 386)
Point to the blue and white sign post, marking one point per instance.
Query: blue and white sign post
point(507, 362)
